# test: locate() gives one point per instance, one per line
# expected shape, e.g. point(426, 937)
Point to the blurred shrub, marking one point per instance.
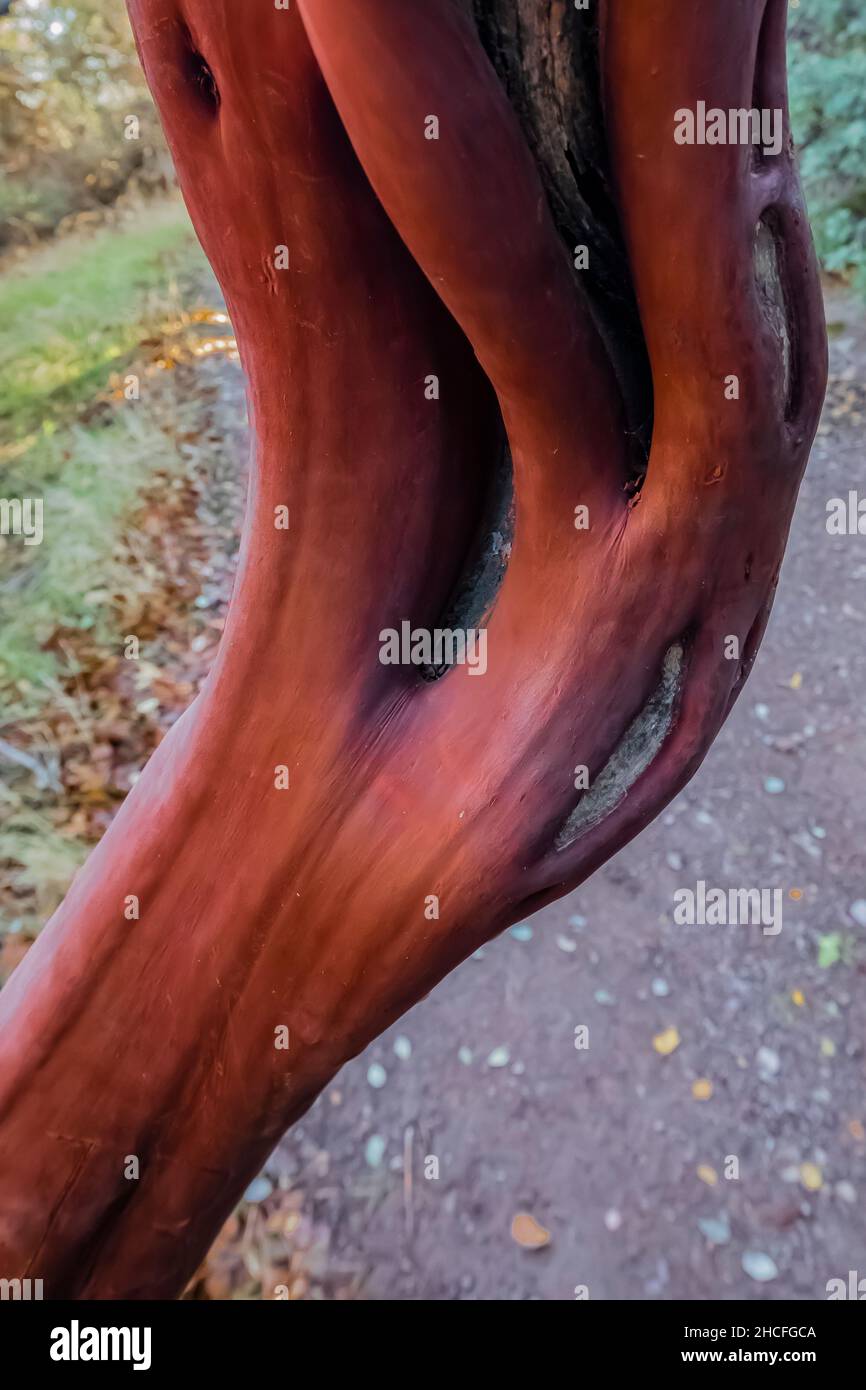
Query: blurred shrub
point(69, 79)
point(827, 58)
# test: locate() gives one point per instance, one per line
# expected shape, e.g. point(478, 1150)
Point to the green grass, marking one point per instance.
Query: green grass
point(72, 313)
point(66, 582)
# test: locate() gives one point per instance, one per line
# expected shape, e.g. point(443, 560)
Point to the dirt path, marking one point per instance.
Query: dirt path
point(609, 1148)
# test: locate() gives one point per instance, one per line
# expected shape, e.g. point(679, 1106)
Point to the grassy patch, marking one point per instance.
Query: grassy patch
point(91, 481)
point(125, 546)
point(73, 313)
point(73, 316)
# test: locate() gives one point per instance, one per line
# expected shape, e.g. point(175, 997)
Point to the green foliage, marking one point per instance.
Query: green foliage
point(69, 78)
point(827, 61)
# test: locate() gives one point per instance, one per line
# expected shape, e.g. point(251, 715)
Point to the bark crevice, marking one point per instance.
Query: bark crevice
point(550, 70)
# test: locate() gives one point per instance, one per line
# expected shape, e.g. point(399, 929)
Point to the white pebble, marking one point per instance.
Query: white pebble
point(374, 1150)
point(759, 1266)
point(259, 1189)
point(499, 1057)
point(768, 1061)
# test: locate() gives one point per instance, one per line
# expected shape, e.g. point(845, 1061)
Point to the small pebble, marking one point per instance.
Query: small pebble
point(577, 921)
point(376, 1075)
point(846, 1191)
point(858, 911)
point(613, 1219)
point(499, 1057)
point(521, 932)
point(603, 997)
point(768, 1062)
point(759, 1266)
point(774, 785)
point(464, 1055)
point(259, 1189)
point(402, 1048)
point(566, 943)
point(716, 1229)
point(660, 988)
point(374, 1150)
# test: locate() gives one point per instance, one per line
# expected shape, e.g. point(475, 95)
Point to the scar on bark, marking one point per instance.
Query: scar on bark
point(643, 740)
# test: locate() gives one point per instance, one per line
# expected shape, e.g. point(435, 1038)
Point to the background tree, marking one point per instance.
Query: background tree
point(69, 79)
point(391, 196)
point(828, 110)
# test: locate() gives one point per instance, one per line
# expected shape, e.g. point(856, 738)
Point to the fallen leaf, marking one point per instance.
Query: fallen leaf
point(666, 1042)
point(702, 1089)
point(707, 1174)
point(811, 1177)
point(829, 949)
point(528, 1233)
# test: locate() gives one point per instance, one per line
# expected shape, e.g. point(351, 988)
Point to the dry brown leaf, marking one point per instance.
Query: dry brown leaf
point(528, 1233)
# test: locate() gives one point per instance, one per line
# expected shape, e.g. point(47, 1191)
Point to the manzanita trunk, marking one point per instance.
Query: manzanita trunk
point(520, 358)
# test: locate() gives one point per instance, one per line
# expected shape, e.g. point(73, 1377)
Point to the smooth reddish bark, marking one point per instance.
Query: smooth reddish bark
point(305, 907)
